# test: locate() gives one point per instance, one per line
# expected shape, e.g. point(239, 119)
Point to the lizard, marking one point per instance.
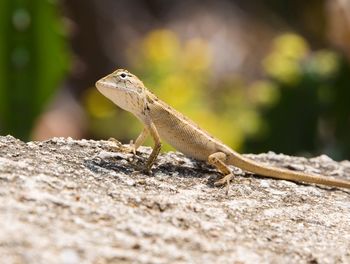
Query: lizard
point(161, 121)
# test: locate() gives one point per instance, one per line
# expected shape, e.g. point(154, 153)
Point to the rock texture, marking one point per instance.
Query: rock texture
point(76, 201)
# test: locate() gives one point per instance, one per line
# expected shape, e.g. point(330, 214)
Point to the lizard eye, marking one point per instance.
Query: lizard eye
point(123, 75)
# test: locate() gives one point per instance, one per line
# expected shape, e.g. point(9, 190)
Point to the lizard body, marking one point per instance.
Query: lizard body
point(162, 121)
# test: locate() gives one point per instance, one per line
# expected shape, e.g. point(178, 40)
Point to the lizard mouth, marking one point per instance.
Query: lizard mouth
point(105, 84)
point(111, 88)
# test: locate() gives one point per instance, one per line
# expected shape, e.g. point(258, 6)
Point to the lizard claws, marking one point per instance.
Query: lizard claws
point(116, 146)
point(224, 180)
point(130, 148)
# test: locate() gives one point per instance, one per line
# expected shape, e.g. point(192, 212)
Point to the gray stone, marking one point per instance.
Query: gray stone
point(85, 201)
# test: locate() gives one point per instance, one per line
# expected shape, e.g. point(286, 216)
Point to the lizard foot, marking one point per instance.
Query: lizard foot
point(117, 145)
point(224, 181)
point(131, 148)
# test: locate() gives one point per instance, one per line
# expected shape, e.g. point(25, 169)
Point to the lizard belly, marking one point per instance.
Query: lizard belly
point(180, 132)
point(190, 142)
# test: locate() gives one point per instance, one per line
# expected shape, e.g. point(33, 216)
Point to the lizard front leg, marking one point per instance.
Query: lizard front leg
point(218, 161)
point(139, 140)
point(157, 146)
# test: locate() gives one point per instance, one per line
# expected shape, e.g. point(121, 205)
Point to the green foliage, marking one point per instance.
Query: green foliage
point(33, 58)
point(312, 114)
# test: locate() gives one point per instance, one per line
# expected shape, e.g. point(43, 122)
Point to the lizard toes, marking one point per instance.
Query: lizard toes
point(224, 180)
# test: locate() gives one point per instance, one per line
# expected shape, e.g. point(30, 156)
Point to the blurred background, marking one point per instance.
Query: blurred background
point(260, 75)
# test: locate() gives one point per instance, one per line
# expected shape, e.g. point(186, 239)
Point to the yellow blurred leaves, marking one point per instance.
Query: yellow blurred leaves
point(264, 92)
point(163, 51)
point(223, 127)
point(97, 105)
point(291, 58)
point(283, 63)
point(177, 90)
point(291, 46)
point(197, 55)
point(160, 46)
point(325, 63)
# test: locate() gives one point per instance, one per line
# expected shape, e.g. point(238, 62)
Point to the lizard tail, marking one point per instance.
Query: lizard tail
point(238, 160)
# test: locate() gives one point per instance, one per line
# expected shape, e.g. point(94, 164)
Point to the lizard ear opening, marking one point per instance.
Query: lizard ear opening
point(139, 90)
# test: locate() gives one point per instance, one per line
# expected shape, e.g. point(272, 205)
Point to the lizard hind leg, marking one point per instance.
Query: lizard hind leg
point(218, 161)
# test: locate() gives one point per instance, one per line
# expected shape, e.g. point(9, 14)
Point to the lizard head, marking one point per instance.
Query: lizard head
point(125, 90)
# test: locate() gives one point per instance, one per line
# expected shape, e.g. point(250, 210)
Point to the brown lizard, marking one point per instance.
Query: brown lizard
point(162, 121)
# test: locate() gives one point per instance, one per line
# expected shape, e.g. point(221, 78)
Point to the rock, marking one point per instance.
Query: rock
point(74, 201)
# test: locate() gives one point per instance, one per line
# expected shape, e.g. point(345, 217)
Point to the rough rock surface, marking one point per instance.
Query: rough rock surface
point(76, 201)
